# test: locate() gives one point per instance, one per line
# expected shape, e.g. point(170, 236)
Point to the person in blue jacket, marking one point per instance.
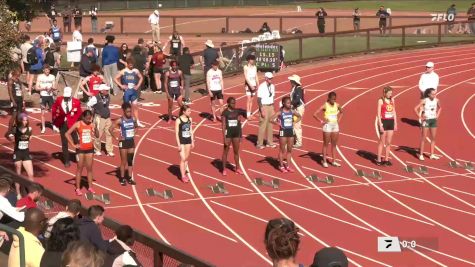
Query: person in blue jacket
point(36, 62)
point(110, 58)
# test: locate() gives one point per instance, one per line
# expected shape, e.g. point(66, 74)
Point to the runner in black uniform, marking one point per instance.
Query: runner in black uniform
point(21, 152)
point(15, 93)
point(286, 118)
point(184, 139)
point(127, 126)
point(232, 132)
point(174, 83)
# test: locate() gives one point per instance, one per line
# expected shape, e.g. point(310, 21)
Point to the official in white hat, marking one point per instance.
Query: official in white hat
point(154, 20)
point(265, 100)
point(298, 104)
point(102, 119)
point(209, 56)
point(429, 79)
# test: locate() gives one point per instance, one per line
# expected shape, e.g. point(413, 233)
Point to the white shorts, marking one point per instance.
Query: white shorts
point(331, 128)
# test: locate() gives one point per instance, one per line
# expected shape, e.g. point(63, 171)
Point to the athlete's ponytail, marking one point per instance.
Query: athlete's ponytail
point(183, 109)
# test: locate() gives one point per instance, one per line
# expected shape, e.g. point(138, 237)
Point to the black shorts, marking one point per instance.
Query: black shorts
point(85, 151)
point(157, 70)
point(46, 102)
point(388, 125)
point(26, 66)
point(36, 72)
point(217, 95)
point(19, 106)
point(21, 155)
point(126, 144)
point(174, 95)
point(289, 132)
point(185, 141)
point(233, 133)
point(382, 23)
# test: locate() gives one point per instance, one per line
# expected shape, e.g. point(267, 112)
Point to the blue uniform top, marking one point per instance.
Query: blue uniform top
point(56, 33)
point(130, 78)
point(286, 120)
point(127, 128)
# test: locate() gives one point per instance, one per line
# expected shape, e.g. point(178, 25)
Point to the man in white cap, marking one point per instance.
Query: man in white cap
point(154, 20)
point(102, 119)
point(265, 100)
point(298, 104)
point(429, 79)
point(210, 55)
point(65, 111)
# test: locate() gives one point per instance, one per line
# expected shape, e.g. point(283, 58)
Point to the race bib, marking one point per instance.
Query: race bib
point(86, 137)
point(173, 83)
point(18, 92)
point(186, 134)
point(388, 115)
point(288, 122)
point(23, 145)
point(95, 87)
point(56, 35)
point(175, 45)
point(232, 123)
point(332, 117)
point(129, 133)
point(131, 85)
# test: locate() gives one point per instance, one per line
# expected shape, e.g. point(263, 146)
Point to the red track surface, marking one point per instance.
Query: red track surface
point(437, 210)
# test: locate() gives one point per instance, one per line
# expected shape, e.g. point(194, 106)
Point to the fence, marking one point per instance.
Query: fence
point(150, 252)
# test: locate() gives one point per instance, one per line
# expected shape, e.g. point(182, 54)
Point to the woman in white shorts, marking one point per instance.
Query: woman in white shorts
point(250, 83)
point(332, 113)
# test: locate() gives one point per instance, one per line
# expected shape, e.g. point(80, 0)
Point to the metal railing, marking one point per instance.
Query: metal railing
point(21, 239)
point(150, 251)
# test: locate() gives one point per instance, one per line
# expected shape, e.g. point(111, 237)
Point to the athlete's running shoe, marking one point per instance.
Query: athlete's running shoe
point(421, 157)
point(434, 157)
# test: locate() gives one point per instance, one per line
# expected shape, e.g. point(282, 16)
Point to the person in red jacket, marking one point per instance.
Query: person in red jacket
point(66, 111)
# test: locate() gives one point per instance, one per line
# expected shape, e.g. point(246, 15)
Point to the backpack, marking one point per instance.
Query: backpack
point(49, 58)
point(31, 56)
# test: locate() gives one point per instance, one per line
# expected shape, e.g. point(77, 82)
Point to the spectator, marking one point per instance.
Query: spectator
point(36, 61)
point(49, 56)
point(110, 58)
point(210, 55)
point(451, 14)
point(77, 14)
point(67, 19)
point(471, 18)
point(383, 15)
point(226, 56)
point(176, 42)
point(91, 46)
point(85, 68)
point(93, 81)
point(80, 254)
point(72, 211)
point(46, 85)
point(297, 97)
point(123, 55)
point(57, 59)
point(157, 62)
point(77, 35)
point(154, 20)
point(264, 28)
point(321, 14)
point(56, 33)
point(33, 226)
point(429, 79)
point(214, 80)
point(64, 231)
point(356, 19)
point(102, 120)
point(66, 111)
point(89, 228)
point(5, 206)
point(282, 242)
point(35, 191)
point(93, 14)
point(24, 47)
point(140, 62)
point(185, 63)
point(265, 101)
point(330, 257)
point(121, 253)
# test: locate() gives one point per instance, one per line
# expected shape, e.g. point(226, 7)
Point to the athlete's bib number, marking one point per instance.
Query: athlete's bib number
point(175, 45)
point(18, 92)
point(174, 84)
point(288, 122)
point(131, 85)
point(332, 117)
point(56, 35)
point(86, 137)
point(388, 115)
point(23, 145)
point(129, 133)
point(186, 134)
point(96, 87)
point(232, 123)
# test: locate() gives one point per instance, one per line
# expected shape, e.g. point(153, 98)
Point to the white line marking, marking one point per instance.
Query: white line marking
point(254, 153)
point(381, 209)
point(462, 115)
point(460, 191)
point(445, 254)
point(280, 178)
point(390, 173)
point(355, 88)
point(192, 223)
point(210, 141)
point(171, 146)
point(164, 184)
point(223, 181)
point(470, 176)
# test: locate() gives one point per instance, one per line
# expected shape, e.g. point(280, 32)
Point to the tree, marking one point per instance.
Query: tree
point(27, 9)
point(10, 37)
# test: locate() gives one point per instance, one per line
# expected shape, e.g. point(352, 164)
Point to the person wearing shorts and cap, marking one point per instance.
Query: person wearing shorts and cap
point(154, 20)
point(298, 105)
point(214, 80)
point(102, 119)
point(210, 55)
point(250, 82)
point(46, 85)
point(265, 100)
point(428, 111)
point(129, 80)
point(174, 83)
point(429, 79)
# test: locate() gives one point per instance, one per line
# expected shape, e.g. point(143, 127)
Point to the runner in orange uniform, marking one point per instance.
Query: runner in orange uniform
point(387, 124)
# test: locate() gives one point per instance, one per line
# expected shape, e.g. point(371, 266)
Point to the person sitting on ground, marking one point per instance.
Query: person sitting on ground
point(5, 206)
point(282, 242)
point(265, 28)
point(35, 222)
point(72, 211)
point(89, 228)
point(122, 254)
point(64, 231)
point(80, 254)
point(330, 257)
point(35, 191)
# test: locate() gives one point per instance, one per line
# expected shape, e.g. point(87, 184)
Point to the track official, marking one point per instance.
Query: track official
point(298, 104)
point(429, 79)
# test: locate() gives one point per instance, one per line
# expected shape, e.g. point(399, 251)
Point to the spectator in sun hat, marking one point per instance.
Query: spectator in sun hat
point(209, 56)
point(102, 119)
point(154, 20)
point(429, 79)
point(298, 104)
point(330, 257)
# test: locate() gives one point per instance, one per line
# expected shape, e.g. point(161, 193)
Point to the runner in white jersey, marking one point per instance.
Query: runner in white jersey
point(428, 111)
point(46, 84)
point(250, 83)
point(214, 79)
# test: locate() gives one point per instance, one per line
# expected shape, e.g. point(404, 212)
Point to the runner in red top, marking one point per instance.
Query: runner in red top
point(86, 131)
point(387, 124)
point(93, 81)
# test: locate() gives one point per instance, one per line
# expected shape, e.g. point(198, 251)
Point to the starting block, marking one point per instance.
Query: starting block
point(466, 165)
point(275, 183)
point(46, 205)
point(314, 178)
point(373, 174)
point(218, 188)
point(167, 194)
point(419, 169)
point(104, 198)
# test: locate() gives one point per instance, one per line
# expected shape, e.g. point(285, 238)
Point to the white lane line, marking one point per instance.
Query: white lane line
point(462, 115)
point(334, 175)
point(164, 184)
point(446, 255)
point(433, 203)
point(460, 191)
point(321, 214)
point(467, 175)
point(364, 257)
point(381, 209)
point(192, 223)
point(280, 178)
point(171, 146)
point(223, 181)
point(209, 141)
point(390, 173)
point(254, 153)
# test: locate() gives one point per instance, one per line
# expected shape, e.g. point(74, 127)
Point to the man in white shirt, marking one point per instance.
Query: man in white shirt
point(214, 80)
point(429, 79)
point(46, 84)
point(24, 51)
point(154, 20)
point(5, 206)
point(265, 100)
point(77, 36)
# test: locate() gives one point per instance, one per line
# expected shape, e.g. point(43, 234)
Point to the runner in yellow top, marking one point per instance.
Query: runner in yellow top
point(332, 113)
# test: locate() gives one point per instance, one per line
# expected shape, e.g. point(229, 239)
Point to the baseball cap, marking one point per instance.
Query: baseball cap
point(269, 75)
point(430, 64)
point(329, 257)
point(67, 92)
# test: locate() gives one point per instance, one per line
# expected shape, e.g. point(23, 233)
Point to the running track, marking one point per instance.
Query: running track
point(437, 210)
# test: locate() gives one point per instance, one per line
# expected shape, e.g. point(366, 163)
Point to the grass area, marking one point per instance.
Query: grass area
point(412, 5)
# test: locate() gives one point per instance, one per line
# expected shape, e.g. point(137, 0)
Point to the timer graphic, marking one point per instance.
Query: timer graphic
point(393, 244)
